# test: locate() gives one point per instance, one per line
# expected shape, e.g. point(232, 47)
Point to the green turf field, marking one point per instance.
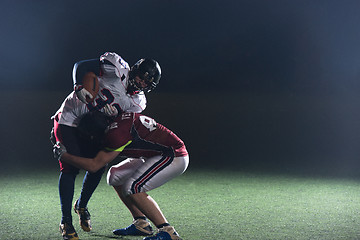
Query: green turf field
point(201, 205)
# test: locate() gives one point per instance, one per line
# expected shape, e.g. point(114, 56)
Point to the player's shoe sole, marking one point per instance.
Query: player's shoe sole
point(84, 217)
point(68, 232)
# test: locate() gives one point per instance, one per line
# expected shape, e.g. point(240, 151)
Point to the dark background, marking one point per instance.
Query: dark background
point(249, 85)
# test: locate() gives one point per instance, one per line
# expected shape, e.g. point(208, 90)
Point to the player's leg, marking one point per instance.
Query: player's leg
point(153, 173)
point(152, 210)
point(66, 192)
point(116, 176)
point(68, 172)
point(67, 136)
point(89, 148)
point(148, 206)
point(135, 212)
point(90, 183)
point(159, 171)
point(140, 225)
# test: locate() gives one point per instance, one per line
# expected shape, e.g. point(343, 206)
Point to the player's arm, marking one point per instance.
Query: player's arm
point(83, 67)
point(80, 70)
point(90, 164)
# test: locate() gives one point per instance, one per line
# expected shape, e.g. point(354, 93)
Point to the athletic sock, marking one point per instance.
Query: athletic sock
point(66, 192)
point(163, 225)
point(90, 182)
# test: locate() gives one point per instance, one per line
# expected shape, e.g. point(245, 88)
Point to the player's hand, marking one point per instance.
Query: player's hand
point(110, 110)
point(82, 93)
point(58, 150)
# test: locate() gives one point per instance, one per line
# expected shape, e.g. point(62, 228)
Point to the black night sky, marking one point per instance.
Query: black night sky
point(254, 84)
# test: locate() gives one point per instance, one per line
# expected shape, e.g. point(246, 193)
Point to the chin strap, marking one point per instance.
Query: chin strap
point(132, 90)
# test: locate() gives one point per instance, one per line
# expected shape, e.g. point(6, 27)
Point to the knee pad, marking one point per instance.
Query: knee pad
point(119, 173)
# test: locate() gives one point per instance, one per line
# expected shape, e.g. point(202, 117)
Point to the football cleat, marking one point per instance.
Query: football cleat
point(165, 233)
point(68, 232)
point(139, 227)
point(84, 217)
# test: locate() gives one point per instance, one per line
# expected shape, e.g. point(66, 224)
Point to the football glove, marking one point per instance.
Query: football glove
point(52, 137)
point(82, 93)
point(110, 110)
point(58, 150)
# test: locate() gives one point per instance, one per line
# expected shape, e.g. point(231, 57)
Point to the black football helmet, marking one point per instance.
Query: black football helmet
point(92, 126)
point(148, 70)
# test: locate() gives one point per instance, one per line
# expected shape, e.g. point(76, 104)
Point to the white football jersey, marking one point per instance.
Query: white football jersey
point(112, 90)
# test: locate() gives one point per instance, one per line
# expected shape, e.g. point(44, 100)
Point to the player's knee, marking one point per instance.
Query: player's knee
point(114, 177)
point(127, 189)
point(122, 187)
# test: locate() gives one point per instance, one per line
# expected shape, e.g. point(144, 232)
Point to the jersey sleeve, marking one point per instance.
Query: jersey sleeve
point(151, 131)
point(82, 67)
point(114, 66)
point(137, 103)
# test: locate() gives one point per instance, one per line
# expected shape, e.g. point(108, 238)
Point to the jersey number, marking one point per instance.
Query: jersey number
point(149, 123)
point(99, 103)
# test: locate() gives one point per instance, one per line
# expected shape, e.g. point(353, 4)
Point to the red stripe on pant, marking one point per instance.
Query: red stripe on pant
point(145, 178)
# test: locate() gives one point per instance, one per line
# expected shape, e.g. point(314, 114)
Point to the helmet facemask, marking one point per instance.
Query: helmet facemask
point(144, 71)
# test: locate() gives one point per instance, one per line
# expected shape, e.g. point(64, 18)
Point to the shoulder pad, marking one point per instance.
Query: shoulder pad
point(115, 60)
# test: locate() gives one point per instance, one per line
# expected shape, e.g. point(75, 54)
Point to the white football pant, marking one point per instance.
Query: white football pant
point(141, 175)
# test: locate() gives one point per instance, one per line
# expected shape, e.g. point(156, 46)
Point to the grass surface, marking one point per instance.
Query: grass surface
point(201, 205)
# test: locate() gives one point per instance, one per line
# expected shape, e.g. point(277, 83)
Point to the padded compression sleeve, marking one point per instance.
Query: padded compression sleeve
point(83, 67)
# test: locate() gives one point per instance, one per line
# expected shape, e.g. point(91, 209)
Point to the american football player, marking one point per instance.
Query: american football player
point(155, 156)
point(121, 89)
